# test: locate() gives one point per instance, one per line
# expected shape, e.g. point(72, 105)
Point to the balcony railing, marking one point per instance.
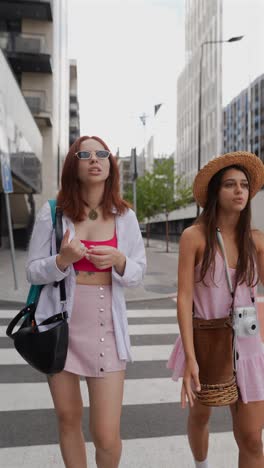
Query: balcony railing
point(74, 106)
point(32, 9)
point(23, 43)
point(37, 102)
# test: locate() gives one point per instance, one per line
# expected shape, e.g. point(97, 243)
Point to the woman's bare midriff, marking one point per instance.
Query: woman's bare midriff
point(93, 277)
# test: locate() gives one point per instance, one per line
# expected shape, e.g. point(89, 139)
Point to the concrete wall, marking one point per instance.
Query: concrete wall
point(257, 211)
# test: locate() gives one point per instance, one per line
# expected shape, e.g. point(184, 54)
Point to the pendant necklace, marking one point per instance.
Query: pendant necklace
point(93, 215)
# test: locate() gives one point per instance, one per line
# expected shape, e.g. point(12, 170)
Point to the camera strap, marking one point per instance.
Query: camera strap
point(231, 289)
point(228, 278)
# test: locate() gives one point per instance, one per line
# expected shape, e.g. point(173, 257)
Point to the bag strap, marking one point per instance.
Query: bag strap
point(35, 289)
point(59, 236)
point(222, 247)
point(55, 318)
point(53, 205)
point(17, 318)
point(27, 310)
point(231, 289)
point(229, 282)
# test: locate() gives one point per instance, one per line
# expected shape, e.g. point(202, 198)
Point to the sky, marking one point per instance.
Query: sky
point(243, 61)
point(130, 52)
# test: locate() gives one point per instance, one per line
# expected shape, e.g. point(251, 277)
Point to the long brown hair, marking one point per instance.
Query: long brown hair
point(245, 270)
point(69, 197)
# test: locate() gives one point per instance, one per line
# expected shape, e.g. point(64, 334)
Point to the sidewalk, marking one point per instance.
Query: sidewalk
point(160, 281)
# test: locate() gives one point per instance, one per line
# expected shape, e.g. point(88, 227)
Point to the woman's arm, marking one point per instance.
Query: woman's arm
point(41, 267)
point(130, 270)
point(186, 265)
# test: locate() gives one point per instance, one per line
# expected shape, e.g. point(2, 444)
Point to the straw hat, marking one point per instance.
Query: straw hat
point(249, 161)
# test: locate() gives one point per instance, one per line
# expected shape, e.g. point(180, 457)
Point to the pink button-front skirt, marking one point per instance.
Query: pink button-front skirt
point(92, 346)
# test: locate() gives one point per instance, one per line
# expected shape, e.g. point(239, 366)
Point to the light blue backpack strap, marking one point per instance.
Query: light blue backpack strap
point(33, 294)
point(52, 204)
point(34, 290)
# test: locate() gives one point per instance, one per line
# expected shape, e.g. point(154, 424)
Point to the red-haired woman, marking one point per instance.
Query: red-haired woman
point(102, 252)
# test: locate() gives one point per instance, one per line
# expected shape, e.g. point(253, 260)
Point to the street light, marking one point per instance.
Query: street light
point(232, 39)
point(134, 176)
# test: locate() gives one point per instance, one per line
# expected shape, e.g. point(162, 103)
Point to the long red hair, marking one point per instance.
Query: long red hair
point(69, 198)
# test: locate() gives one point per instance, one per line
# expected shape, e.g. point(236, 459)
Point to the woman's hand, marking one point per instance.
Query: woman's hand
point(70, 252)
point(191, 374)
point(105, 256)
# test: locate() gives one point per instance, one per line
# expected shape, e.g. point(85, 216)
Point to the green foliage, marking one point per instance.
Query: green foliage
point(128, 195)
point(160, 191)
point(184, 193)
point(172, 190)
point(164, 185)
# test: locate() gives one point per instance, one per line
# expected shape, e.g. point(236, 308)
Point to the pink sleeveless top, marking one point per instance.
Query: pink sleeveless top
point(85, 265)
point(214, 301)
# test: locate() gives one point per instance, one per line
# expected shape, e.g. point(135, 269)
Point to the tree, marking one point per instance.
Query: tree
point(146, 199)
point(160, 192)
point(184, 194)
point(172, 191)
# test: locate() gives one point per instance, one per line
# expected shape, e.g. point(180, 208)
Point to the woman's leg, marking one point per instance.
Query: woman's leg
point(248, 422)
point(198, 432)
point(106, 395)
point(66, 394)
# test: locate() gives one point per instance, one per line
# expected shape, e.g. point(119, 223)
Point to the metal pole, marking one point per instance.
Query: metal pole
point(232, 39)
point(167, 231)
point(249, 135)
point(135, 196)
point(11, 239)
point(200, 118)
point(135, 175)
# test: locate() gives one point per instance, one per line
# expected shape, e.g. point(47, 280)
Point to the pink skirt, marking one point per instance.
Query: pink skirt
point(92, 345)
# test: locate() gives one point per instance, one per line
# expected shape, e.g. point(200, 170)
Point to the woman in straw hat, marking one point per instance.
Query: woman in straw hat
point(224, 188)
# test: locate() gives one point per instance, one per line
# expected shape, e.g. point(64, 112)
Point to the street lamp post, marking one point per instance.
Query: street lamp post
point(232, 39)
point(134, 177)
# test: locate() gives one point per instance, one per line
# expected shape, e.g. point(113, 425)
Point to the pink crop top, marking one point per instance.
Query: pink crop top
point(86, 265)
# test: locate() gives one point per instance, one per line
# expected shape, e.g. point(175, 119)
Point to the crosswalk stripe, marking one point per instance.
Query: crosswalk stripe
point(151, 353)
point(8, 313)
point(169, 452)
point(137, 421)
point(151, 313)
point(29, 396)
point(10, 356)
point(4, 313)
point(156, 329)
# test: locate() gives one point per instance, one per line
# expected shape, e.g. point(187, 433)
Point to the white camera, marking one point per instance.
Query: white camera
point(245, 321)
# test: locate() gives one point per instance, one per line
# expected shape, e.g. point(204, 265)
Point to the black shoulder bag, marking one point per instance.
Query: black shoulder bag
point(44, 350)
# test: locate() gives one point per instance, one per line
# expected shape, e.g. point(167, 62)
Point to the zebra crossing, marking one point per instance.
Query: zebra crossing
point(153, 423)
